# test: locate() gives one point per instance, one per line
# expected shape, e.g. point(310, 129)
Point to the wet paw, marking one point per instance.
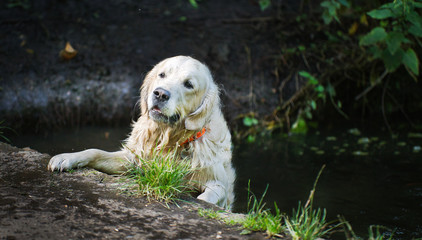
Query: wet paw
point(62, 162)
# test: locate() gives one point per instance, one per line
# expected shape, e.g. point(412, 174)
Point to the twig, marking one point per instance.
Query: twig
point(311, 195)
point(294, 97)
point(283, 84)
point(338, 109)
point(378, 81)
point(305, 60)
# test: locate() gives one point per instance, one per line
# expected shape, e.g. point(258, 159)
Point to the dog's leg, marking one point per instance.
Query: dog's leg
point(214, 193)
point(108, 162)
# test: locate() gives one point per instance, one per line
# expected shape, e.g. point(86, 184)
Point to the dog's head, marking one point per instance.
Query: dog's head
point(179, 89)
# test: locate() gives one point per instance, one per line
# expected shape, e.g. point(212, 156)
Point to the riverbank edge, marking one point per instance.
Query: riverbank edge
point(88, 203)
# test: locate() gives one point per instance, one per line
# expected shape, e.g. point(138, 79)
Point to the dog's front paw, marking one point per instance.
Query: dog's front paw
point(208, 196)
point(62, 162)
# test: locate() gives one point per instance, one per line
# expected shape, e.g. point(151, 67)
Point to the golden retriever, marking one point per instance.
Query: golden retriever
point(180, 109)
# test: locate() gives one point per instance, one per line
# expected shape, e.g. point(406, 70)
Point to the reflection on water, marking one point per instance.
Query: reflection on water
point(73, 140)
point(368, 179)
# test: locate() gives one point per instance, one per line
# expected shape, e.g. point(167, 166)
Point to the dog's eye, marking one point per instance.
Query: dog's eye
point(188, 84)
point(162, 75)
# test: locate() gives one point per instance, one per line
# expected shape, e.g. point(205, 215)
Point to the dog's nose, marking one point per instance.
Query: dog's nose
point(161, 94)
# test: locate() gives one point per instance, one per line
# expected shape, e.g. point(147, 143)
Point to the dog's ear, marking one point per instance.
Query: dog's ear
point(144, 92)
point(202, 114)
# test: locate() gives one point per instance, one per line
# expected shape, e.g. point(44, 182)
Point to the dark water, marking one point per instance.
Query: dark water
point(368, 179)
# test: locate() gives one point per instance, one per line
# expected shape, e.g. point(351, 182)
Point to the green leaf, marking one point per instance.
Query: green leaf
point(193, 3)
point(249, 121)
point(319, 88)
point(384, 23)
point(264, 4)
point(410, 59)
point(376, 51)
point(394, 40)
point(388, 5)
point(311, 79)
point(381, 13)
point(377, 34)
point(330, 89)
point(330, 11)
point(327, 18)
point(313, 104)
point(305, 74)
point(416, 31)
point(392, 61)
point(344, 3)
point(326, 4)
point(414, 18)
point(299, 126)
point(251, 139)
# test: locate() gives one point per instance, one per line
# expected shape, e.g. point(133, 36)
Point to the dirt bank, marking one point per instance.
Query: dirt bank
point(37, 204)
point(117, 43)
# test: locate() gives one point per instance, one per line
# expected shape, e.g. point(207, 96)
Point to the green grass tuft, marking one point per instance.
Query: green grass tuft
point(164, 177)
point(260, 219)
point(307, 223)
point(208, 213)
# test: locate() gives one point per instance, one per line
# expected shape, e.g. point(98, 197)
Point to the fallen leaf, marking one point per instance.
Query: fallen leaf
point(68, 52)
point(353, 28)
point(29, 51)
point(364, 20)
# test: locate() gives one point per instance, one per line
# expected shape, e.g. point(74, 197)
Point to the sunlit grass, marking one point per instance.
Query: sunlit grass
point(163, 177)
point(257, 219)
point(260, 219)
point(208, 213)
point(307, 223)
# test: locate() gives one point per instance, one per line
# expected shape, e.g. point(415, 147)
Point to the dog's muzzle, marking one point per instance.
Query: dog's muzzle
point(159, 99)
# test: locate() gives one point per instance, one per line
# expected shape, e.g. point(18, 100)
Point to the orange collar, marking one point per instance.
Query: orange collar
point(195, 136)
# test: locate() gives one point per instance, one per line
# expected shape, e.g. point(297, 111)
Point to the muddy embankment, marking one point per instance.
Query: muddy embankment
point(117, 44)
point(37, 204)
